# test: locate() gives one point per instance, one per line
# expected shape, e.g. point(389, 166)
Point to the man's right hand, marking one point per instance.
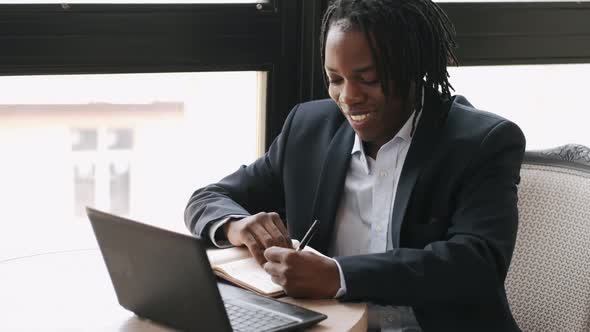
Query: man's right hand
point(258, 232)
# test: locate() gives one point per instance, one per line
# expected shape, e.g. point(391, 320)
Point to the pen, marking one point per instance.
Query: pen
point(307, 237)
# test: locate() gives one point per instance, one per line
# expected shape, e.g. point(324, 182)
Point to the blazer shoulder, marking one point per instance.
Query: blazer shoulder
point(466, 128)
point(467, 119)
point(319, 108)
point(322, 113)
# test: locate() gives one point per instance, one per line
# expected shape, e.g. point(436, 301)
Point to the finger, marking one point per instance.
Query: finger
point(262, 235)
point(272, 268)
point(255, 248)
point(276, 254)
point(281, 226)
point(274, 231)
point(278, 280)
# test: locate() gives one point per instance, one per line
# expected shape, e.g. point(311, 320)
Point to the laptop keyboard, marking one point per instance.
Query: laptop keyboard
point(246, 318)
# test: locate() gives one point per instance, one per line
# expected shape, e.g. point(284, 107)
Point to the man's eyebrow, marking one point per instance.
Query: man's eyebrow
point(358, 71)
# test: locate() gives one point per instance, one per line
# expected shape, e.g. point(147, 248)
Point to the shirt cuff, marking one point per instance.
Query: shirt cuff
point(219, 239)
point(342, 290)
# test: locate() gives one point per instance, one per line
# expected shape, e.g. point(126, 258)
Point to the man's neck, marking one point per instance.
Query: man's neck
point(372, 148)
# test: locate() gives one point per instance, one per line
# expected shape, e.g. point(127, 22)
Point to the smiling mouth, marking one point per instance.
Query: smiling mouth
point(360, 117)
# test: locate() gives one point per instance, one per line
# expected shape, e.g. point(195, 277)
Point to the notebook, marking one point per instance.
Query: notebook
point(237, 266)
point(166, 277)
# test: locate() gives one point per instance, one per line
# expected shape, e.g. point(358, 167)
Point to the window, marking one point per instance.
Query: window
point(513, 63)
point(546, 101)
point(277, 39)
point(136, 145)
point(131, 107)
point(104, 153)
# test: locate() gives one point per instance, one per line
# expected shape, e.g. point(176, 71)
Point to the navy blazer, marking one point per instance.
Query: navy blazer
point(454, 218)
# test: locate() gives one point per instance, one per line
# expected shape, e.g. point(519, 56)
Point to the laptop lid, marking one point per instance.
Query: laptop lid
point(166, 277)
point(159, 274)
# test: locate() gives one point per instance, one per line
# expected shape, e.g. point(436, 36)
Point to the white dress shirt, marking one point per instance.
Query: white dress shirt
point(364, 216)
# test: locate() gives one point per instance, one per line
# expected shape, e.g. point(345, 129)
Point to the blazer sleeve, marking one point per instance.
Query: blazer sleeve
point(249, 190)
point(472, 261)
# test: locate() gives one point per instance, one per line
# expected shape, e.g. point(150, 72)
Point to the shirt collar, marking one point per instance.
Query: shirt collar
point(357, 146)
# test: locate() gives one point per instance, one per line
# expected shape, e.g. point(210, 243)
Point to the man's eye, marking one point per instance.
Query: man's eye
point(334, 80)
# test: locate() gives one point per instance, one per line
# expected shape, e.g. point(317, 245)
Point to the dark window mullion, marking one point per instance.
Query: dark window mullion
point(107, 38)
point(521, 32)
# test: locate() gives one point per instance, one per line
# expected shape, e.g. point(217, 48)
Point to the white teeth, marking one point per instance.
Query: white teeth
point(360, 117)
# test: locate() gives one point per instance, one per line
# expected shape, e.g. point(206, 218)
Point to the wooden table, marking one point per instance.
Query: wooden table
point(71, 291)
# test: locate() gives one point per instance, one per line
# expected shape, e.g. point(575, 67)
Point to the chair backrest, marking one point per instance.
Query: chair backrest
point(548, 283)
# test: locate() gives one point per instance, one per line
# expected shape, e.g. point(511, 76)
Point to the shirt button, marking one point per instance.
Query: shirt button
point(383, 174)
point(378, 228)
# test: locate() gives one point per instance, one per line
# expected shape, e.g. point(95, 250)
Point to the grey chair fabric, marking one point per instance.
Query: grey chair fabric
point(548, 284)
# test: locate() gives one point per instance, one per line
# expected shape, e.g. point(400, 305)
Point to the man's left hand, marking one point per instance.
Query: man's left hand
point(302, 274)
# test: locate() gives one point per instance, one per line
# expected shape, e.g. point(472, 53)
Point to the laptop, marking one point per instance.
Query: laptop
point(166, 277)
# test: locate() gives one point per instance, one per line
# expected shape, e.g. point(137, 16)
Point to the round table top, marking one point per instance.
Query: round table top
point(71, 290)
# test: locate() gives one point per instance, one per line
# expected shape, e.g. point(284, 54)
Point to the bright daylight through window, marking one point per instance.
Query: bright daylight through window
point(546, 101)
point(133, 144)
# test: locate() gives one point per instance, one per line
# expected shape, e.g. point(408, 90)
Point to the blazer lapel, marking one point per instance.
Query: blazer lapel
point(330, 185)
point(423, 143)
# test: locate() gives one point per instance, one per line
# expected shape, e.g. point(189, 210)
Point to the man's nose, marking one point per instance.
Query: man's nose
point(351, 93)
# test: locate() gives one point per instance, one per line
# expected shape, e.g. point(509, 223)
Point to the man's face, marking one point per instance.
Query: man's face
point(354, 85)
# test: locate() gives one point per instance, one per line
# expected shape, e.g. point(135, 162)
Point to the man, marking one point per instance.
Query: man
point(415, 190)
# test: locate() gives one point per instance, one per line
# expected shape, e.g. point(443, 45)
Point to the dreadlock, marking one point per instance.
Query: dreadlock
point(412, 41)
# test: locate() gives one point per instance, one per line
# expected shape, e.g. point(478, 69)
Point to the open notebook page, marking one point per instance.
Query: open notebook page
point(219, 256)
point(249, 274)
point(223, 255)
point(236, 265)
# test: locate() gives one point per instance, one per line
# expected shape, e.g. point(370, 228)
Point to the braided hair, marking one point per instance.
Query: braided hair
point(412, 41)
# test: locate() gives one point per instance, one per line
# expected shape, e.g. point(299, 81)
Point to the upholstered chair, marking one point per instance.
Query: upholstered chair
point(548, 283)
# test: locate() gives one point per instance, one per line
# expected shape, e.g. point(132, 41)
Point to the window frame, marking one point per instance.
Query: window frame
point(507, 33)
point(50, 39)
point(280, 37)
